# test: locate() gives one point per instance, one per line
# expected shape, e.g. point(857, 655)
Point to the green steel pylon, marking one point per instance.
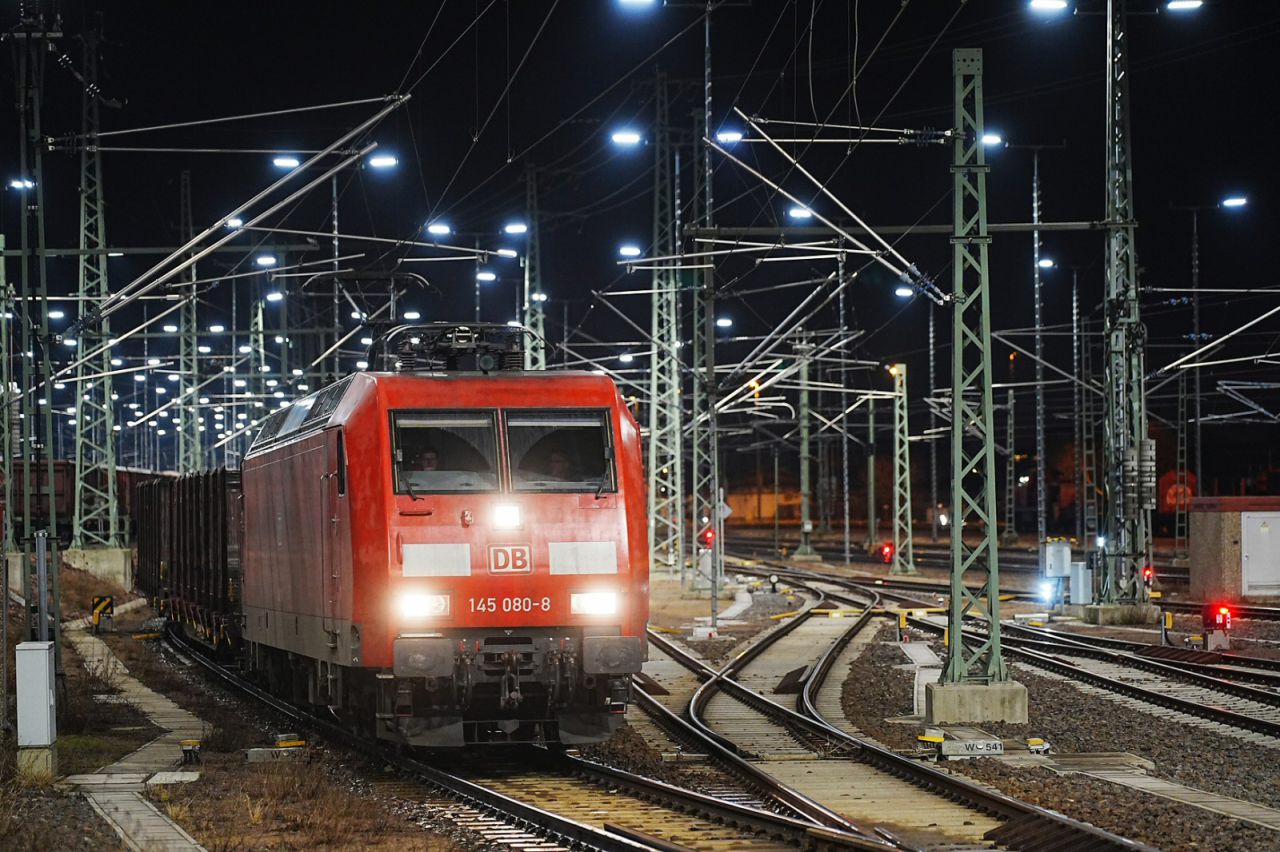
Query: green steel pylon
point(665, 446)
point(535, 300)
point(1129, 454)
point(973, 477)
point(903, 559)
point(96, 517)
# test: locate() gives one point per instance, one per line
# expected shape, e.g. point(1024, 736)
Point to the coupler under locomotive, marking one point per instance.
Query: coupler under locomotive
point(503, 686)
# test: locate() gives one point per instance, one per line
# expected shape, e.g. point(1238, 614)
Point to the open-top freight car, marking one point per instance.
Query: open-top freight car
point(189, 534)
point(445, 549)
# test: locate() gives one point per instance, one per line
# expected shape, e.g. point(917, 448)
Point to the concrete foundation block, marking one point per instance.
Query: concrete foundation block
point(1107, 614)
point(38, 765)
point(108, 563)
point(956, 703)
point(274, 755)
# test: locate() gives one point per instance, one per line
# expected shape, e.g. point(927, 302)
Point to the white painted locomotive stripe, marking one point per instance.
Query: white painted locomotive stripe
point(583, 557)
point(437, 560)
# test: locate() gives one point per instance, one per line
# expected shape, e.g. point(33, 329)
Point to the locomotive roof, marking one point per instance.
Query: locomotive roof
point(315, 411)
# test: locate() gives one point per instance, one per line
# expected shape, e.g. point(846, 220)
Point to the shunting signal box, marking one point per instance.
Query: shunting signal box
point(1217, 626)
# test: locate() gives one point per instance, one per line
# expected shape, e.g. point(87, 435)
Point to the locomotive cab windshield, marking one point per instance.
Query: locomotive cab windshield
point(547, 451)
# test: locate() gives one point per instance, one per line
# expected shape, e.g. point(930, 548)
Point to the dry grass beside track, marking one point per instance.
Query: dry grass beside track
point(302, 805)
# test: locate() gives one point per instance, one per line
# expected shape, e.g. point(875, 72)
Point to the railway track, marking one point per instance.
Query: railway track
point(909, 802)
point(547, 801)
point(1017, 561)
point(1115, 666)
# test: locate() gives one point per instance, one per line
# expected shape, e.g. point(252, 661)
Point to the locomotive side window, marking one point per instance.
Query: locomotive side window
point(567, 450)
point(440, 452)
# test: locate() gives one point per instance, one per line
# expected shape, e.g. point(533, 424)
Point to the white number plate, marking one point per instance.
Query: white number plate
point(510, 604)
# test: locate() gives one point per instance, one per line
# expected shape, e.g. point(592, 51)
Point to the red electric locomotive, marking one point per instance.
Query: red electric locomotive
point(448, 548)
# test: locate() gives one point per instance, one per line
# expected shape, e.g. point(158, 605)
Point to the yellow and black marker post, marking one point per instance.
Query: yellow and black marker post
point(104, 606)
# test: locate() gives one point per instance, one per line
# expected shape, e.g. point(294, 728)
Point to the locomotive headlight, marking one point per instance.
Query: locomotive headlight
point(593, 603)
point(417, 605)
point(506, 516)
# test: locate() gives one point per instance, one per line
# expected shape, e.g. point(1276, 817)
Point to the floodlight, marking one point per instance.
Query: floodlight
point(235, 222)
point(626, 138)
point(508, 253)
point(515, 228)
point(724, 322)
point(412, 315)
point(992, 139)
point(440, 229)
point(265, 260)
point(1047, 263)
point(729, 137)
point(1049, 5)
point(56, 314)
point(629, 251)
point(1183, 5)
point(486, 276)
point(1235, 201)
point(275, 296)
point(903, 292)
point(800, 213)
point(286, 162)
point(383, 161)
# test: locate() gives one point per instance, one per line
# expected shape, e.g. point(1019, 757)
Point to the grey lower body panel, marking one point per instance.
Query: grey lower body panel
point(508, 685)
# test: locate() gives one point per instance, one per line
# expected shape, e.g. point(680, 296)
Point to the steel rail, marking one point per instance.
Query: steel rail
point(467, 792)
point(1027, 826)
point(1040, 659)
point(1035, 828)
point(547, 823)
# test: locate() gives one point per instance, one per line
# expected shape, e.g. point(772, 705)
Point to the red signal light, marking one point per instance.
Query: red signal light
point(1224, 610)
point(707, 537)
point(886, 552)
point(1148, 574)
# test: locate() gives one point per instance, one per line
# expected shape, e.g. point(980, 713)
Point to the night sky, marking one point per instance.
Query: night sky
point(1203, 88)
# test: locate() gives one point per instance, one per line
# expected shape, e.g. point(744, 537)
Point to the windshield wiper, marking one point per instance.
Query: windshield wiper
point(408, 486)
point(604, 480)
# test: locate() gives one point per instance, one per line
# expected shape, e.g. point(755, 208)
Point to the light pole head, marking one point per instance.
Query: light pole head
point(626, 138)
point(1235, 201)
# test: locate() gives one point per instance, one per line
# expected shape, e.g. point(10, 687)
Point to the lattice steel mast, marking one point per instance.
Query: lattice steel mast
point(96, 519)
point(1009, 536)
point(973, 478)
point(665, 450)
point(190, 451)
point(535, 353)
point(1129, 453)
point(903, 558)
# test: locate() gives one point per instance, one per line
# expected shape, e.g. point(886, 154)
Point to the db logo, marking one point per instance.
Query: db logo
point(510, 559)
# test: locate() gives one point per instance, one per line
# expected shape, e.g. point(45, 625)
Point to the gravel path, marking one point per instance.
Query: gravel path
point(1074, 722)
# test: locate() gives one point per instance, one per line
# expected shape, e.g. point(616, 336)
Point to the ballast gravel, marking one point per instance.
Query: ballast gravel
point(1072, 721)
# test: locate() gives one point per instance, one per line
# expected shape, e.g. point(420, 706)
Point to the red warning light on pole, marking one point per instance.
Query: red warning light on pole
point(707, 537)
point(1148, 575)
point(886, 552)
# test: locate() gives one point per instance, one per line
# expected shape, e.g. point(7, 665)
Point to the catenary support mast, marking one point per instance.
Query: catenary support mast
point(1129, 455)
point(96, 519)
point(973, 478)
